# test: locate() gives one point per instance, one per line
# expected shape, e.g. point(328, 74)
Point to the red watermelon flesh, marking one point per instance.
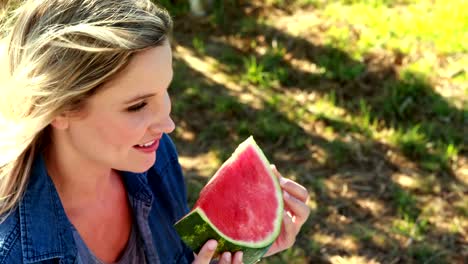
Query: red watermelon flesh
point(241, 206)
point(245, 202)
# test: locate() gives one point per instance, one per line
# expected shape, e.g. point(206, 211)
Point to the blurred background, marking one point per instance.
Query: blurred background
point(363, 102)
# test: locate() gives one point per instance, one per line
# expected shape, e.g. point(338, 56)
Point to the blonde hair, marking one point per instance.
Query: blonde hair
point(57, 53)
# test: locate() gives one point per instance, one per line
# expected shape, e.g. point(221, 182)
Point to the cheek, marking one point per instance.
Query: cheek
point(122, 131)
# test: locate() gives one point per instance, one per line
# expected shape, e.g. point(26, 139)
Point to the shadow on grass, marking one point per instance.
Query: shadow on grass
point(407, 102)
point(359, 167)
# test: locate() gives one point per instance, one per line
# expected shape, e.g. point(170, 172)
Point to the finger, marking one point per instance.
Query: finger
point(275, 171)
point(294, 188)
point(290, 230)
point(298, 209)
point(225, 258)
point(206, 252)
point(238, 257)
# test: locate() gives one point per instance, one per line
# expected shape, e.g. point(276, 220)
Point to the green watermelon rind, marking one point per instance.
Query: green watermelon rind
point(195, 228)
point(198, 230)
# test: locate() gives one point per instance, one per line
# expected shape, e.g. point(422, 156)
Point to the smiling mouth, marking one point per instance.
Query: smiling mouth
point(148, 147)
point(148, 144)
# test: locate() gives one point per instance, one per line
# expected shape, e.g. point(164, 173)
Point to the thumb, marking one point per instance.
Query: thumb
point(206, 252)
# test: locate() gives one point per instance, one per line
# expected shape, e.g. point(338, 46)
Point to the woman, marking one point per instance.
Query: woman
point(88, 172)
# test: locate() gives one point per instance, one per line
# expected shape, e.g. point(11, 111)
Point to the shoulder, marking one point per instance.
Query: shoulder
point(166, 152)
point(10, 242)
point(167, 159)
point(166, 179)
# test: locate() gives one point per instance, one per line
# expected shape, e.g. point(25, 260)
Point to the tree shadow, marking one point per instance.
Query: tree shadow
point(219, 120)
point(402, 101)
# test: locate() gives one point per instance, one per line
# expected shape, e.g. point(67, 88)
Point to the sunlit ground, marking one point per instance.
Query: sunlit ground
point(363, 102)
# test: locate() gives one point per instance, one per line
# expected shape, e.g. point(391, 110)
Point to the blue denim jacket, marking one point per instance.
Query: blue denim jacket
point(38, 230)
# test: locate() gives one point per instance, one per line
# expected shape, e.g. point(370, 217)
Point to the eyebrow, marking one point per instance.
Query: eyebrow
point(139, 97)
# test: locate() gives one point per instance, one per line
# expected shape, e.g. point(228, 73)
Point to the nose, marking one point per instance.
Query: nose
point(165, 126)
point(169, 125)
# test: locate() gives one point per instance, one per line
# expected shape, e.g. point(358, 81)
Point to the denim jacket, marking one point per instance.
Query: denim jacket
point(38, 230)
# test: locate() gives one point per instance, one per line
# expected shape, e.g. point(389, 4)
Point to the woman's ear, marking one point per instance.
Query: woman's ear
point(60, 122)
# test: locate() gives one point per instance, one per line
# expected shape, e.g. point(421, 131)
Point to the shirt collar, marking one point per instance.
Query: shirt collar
point(45, 228)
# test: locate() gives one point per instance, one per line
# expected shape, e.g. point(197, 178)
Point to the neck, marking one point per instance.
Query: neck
point(79, 181)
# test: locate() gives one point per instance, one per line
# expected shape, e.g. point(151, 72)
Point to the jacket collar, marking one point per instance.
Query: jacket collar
point(44, 225)
point(45, 228)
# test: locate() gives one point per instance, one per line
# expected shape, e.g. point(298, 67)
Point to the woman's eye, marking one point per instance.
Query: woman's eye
point(137, 107)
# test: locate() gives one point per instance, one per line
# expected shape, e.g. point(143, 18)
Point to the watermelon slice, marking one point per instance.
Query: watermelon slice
point(241, 206)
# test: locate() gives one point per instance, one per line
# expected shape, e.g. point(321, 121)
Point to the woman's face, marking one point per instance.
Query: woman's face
point(123, 122)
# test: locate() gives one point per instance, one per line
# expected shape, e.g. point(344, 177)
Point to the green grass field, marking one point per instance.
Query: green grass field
point(363, 102)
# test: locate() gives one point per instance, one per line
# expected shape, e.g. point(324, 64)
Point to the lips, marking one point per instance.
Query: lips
point(149, 146)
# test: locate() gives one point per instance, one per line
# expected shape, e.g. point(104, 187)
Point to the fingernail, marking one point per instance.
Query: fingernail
point(241, 255)
point(212, 245)
point(282, 181)
point(286, 194)
point(227, 256)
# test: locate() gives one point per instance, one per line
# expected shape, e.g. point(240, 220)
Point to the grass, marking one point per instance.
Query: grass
point(266, 72)
point(423, 253)
point(367, 108)
point(404, 26)
point(409, 222)
point(198, 45)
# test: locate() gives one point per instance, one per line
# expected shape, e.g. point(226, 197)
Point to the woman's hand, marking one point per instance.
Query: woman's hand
point(207, 251)
point(296, 212)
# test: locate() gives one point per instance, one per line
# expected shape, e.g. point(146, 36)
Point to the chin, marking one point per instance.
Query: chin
point(142, 166)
